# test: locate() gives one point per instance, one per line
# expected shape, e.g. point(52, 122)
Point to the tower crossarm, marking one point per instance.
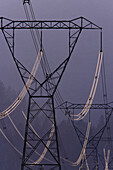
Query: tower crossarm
point(70, 106)
point(77, 23)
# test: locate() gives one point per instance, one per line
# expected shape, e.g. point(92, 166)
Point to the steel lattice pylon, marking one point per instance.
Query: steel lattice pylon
point(42, 95)
point(92, 151)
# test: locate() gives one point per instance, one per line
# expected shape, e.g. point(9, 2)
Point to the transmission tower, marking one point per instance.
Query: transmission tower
point(41, 94)
point(92, 152)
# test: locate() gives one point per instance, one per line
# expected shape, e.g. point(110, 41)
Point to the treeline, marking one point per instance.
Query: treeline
point(9, 158)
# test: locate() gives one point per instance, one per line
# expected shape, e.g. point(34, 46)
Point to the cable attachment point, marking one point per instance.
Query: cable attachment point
point(101, 42)
point(41, 42)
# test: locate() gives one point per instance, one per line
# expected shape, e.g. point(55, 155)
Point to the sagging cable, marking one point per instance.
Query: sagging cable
point(42, 156)
point(23, 137)
point(84, 146)
point(106, 158)
point(88, 104)
point(12, 144)
point(46, 148)
point(84, 158)
point(18, 100)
